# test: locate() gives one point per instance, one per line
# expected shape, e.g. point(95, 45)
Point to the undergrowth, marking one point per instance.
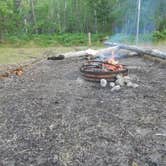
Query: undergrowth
point(51, 40)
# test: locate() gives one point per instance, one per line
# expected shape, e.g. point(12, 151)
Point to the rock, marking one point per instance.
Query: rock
point(126, 79)
point(120, 82)
point(116, 88)
point(129, 84)
point(112, 84)
point(119, 76)
point(135, 85)
point(51, 127)
point(55, 158)
point(103, 83)
point(134, 163)
point(132, 85)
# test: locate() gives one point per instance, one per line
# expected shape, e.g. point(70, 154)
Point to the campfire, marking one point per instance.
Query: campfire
point(108, 69)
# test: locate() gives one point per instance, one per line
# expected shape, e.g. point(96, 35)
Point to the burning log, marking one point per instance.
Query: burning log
point(141, 51)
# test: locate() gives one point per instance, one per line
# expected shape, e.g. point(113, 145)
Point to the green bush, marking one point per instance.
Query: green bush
point(159, 36)
point(64, 39)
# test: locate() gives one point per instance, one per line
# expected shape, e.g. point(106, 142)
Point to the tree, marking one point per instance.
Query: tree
point(5, 13)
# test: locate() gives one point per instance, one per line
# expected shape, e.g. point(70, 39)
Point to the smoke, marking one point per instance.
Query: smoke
point(127, 30)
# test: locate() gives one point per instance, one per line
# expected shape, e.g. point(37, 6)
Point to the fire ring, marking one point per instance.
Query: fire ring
point(96, 70)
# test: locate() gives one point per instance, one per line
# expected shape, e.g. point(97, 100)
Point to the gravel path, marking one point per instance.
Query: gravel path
point(51, 117)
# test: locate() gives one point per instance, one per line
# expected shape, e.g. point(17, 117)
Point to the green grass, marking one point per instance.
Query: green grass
point(17, 49)
point(19, 55)
point(53, 40)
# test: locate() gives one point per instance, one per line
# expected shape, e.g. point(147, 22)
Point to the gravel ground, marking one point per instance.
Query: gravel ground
point(51, 117)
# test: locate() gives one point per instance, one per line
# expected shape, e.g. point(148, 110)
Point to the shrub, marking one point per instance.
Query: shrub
point(64, 39)
point(157, 35)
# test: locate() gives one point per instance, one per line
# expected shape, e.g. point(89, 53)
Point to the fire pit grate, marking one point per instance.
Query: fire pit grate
point(96, 70)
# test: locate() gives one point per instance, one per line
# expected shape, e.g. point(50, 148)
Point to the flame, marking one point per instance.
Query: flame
point(112, 64)
point(112, 59)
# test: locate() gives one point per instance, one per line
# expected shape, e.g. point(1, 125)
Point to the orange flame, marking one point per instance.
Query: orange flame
point(112, 64)
point(112, 59)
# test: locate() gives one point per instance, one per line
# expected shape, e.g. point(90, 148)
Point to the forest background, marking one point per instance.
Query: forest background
point(31, 28)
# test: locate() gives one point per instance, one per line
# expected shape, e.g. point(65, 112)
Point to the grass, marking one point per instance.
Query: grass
point(17, 49)
point(51, 40)
point(19, 55)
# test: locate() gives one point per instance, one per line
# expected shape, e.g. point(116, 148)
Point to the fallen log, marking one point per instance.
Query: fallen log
point(91, 52)
point(139, 50)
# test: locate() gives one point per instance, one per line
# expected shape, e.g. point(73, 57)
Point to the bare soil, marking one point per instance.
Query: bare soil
point(52, 117)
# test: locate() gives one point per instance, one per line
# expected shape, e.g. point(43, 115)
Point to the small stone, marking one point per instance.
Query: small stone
point(129, 84)
point(135, 85)
point(103, 83)
point(120, 82)
point(55, 158)
point(119, 76)
point(116, 88)
point(51, 127)
point(134, 163)
point(112, 84)
point(126, 79)
point(79, 80)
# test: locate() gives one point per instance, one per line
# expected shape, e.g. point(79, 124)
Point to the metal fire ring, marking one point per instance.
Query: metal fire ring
point(92, 72)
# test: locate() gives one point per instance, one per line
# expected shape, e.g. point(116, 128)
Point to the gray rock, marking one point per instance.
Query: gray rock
point(116, 88)
point(112, 84)
point(103, 83)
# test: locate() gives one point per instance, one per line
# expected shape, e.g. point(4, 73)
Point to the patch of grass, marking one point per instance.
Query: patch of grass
point(53, 40)
point(16, 49)
point(19, 55)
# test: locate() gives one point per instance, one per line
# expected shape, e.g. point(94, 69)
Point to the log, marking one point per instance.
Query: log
point(139, 50)
point(92, 52)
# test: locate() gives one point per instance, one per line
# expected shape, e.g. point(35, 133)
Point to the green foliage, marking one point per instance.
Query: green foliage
point(39, 18)
point(64, 39)
point(157, 36)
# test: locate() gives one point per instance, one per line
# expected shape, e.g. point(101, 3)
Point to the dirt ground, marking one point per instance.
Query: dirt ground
point(52, 117)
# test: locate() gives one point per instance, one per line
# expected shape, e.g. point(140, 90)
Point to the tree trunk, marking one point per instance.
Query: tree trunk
point(92, 52)
point(34, 16)
point(139, 50)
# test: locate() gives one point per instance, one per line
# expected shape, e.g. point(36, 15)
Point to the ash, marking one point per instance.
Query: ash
point(50, 116)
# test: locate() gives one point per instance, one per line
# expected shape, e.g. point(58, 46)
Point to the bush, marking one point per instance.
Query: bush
point(159, 36)
point(64, 39)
